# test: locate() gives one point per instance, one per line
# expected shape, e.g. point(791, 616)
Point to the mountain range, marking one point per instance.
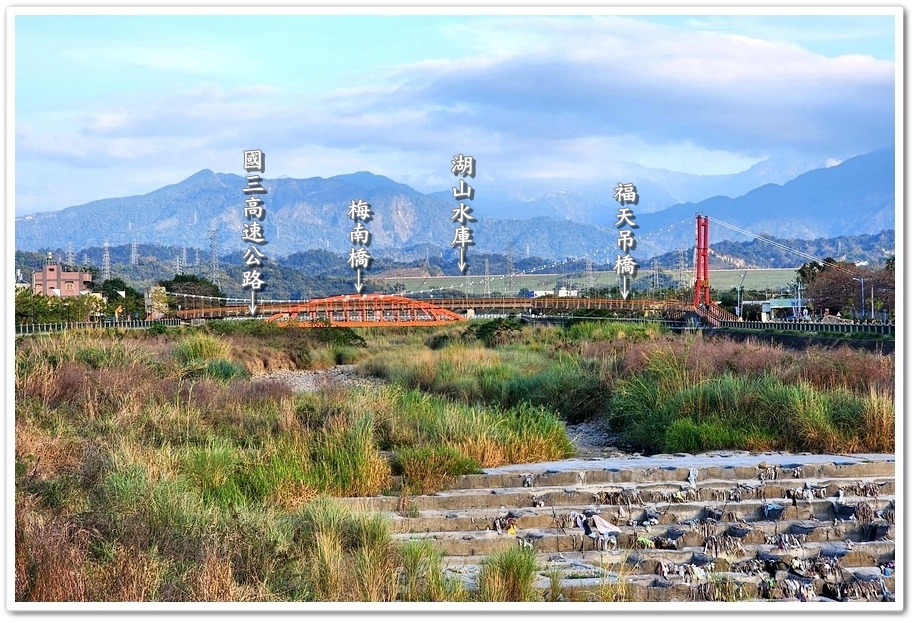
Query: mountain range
point(206, 209)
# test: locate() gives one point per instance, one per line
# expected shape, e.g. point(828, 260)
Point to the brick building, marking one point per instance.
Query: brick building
point(53, 280)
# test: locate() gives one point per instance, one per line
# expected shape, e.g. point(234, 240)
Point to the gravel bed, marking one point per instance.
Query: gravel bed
point(316, 380)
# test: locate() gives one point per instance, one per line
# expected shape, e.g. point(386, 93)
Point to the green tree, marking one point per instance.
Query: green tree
point(809, 271)
point(122, 301)
point(198, 292)
point(31, 308)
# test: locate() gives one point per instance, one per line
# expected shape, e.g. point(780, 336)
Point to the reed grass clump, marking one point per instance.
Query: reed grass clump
point(561, 382)
point(434, 439)
point(508, 576)
point(345, 460)
point(200, 348)
point(422, 576)
point(345, 556)
point(427, 469)
point(579, 331)
point(661, 412)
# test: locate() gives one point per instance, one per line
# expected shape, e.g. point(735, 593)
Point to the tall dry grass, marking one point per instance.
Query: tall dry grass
point(422, 576)
point(51, 556)
point(345, 556)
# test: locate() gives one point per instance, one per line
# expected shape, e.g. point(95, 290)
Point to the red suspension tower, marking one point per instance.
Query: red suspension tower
point(701, 290)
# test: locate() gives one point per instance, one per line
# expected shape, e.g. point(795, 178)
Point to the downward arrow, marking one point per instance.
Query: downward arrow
point(624, 289)
point(254, 305)
point(462, 265)
point(359, 281)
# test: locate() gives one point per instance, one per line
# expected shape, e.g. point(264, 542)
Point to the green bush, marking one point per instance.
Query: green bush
point(224, 370)
point(495, 332)
point(569, 387)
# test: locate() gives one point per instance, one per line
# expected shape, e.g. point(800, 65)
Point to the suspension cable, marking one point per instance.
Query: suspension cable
point(807, 256)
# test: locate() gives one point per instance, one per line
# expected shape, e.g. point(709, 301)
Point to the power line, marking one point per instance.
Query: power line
point(779, 245)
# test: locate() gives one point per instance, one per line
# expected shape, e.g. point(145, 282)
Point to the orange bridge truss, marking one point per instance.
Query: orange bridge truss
point(378, 310)
point(367, 310)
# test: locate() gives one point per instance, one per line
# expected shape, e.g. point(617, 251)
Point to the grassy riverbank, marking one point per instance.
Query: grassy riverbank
point(154, 467)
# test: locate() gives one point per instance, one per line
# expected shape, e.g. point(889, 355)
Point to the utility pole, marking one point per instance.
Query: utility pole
point(740, 287)
point(861, 281)
point(214, 258)
point(510, 269)
point(873, 301)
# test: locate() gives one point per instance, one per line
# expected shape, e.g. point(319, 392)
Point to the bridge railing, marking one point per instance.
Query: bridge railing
point(55, 327)
point(808, 327)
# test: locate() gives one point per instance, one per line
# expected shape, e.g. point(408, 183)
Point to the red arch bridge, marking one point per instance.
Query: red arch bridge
point(378, 310)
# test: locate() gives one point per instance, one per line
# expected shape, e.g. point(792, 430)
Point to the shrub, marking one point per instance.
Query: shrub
point(495, 332)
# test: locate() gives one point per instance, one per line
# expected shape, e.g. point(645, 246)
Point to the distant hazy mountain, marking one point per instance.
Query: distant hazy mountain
point(855, 197)
point(658, 189)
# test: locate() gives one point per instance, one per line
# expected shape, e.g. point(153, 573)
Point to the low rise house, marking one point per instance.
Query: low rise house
point(54, 280)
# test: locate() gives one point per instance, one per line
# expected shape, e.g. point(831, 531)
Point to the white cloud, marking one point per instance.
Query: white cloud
point(536, 98)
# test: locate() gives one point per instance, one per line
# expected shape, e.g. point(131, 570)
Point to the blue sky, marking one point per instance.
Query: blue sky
point(119, 105)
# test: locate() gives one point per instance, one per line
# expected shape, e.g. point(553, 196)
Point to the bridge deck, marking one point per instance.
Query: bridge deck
point(374, 310)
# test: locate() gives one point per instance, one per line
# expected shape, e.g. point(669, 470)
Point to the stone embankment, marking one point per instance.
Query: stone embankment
point(609, 526)
point(716, 527)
